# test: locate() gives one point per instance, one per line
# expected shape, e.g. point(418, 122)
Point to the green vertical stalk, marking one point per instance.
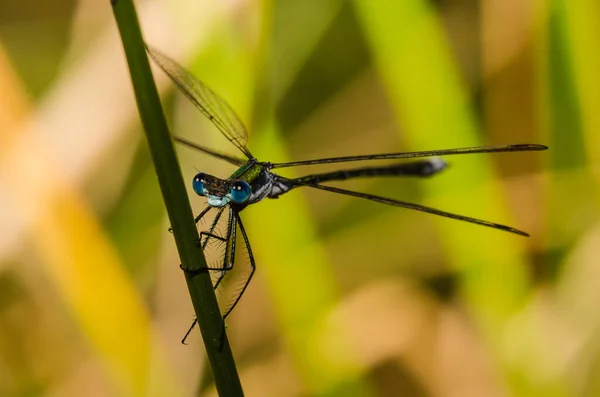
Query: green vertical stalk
point(178, 207)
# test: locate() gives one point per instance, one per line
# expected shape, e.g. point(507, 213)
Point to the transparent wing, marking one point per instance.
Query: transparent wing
point(238, 278)
point(404, 204)
point(520, 147)
point(228, 256)
point(209, 103)
point(216, 232)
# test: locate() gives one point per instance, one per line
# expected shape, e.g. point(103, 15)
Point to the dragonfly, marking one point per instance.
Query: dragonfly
point(255, 180)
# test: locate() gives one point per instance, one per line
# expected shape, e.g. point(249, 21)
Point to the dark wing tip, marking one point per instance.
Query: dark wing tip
point(512, 230)
point(530, 146)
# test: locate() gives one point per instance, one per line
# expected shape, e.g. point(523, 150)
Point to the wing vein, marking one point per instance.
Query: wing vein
point(203, 98)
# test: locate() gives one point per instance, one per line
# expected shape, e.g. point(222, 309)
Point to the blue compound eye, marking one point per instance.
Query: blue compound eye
point(240, 192)
point(198, 183)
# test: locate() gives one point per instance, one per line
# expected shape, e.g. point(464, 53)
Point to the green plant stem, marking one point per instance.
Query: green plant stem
point(178, 207)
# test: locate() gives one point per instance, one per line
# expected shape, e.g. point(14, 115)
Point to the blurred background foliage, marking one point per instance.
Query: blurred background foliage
point(350, 298)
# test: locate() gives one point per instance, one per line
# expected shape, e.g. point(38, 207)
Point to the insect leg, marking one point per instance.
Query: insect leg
point(252, 268)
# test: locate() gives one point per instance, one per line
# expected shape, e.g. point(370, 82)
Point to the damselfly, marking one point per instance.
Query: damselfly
point(255, 180)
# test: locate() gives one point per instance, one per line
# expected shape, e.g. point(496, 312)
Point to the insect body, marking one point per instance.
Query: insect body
point(255, 181)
